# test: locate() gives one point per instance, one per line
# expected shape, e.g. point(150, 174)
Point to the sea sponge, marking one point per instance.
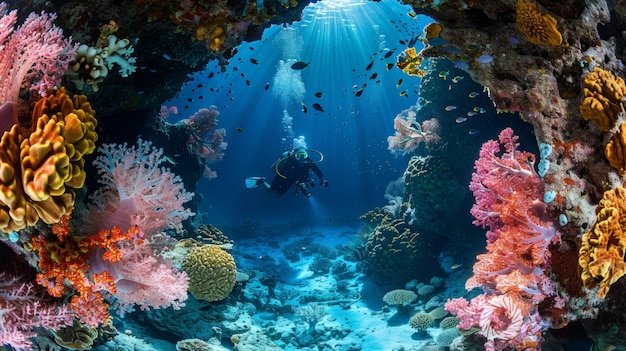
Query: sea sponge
point(538, 27)
point(399, 297)
point(615, 150)
point(603, 95)
point(601, 255)
point(212, 272)
point(421, 321)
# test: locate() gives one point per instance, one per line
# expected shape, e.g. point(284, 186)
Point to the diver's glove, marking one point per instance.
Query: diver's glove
point(324, 182)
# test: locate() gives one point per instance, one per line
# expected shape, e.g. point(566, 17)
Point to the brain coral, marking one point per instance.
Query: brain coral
point(212, 272)
point(37, 169)
point(538, 27)
point(603, 95)
point(601, 255)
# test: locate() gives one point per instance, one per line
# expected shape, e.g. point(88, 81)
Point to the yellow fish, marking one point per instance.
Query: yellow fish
point(473, 94)
point(444, 75)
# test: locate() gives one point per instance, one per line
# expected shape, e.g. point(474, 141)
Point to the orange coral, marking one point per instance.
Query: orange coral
point(64, 264)
point(36, 170)
point(601, 256)
point(603, 95)
point(538, 27)
point(615, 150)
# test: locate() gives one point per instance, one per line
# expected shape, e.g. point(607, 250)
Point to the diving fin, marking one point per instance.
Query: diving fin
point(253, 182)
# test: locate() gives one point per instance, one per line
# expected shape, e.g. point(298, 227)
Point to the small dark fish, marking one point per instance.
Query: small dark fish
point(399, 83)
point(412, 42)
point(402, 42)
point(369, 66)
point(300, 65)
point(211, 75)
point(254, 61)
point(318, 107)
point(167, 57)
point(189, 99)
point(267, 86)
point(199, 86)
point(318, 94)
point(474, 132)
point(374, 75)
point(389, 66)
point(412, 14)
point(403, 93)
point(247, 82)
point(201, 97)
point(359, 92)
point(304, 109)
point(239, 129)
point(389, 53)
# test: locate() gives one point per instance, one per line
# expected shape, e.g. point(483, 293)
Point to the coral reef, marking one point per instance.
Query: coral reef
point(603, 95)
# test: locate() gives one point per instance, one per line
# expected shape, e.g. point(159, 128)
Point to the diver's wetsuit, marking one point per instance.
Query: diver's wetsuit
point(292, 172)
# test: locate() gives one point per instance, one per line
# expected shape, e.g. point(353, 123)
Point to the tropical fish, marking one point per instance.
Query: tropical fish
point(473, 94)
point(479, 109)
point(456, 79)
point(304, 109)
point(399, 83)
point(484, 59)
point(456, 266)
point(247, 82)
point(171, 160)
point(412, 14)
point(444, 74)
point(318, 94)
point(403, 93)
point(473, 132)
point(460, 119)
point(389, 66)
point(472, 113)
point(254, 61)
point(368, 67)
point(389, 53)
point(359, 92)
point(460, 64)
point(300, 65)
point(318, 107)
point(450, 108)
point(374, 75)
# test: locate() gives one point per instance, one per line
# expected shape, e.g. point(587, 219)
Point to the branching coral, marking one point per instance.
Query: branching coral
point(37, 171)
point(601, 255)
point(603, 95)
point(615, 150)
point(538, 27)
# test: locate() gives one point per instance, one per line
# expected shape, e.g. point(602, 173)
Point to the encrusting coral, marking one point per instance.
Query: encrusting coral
point(616, 148)
point(601, 255)
point(603, 95)
point(212, 272)
point(538, 27)
point(36, 170)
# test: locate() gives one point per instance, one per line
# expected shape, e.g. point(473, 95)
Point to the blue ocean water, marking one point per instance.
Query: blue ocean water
point(339, 42)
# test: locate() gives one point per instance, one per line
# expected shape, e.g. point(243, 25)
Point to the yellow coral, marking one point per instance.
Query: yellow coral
point(603, 95)
point(212, 272)
point(410, 63)
point(35, 170)
point(615, 150)
point(601, 256)
point(538, 27)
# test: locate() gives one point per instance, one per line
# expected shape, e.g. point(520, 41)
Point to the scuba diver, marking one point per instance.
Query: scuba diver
point(293, 167)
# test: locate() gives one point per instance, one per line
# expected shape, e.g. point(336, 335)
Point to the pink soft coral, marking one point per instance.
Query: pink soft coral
point(24, 306)
point(137, 192)
point(512, 272)
point(34, 56)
